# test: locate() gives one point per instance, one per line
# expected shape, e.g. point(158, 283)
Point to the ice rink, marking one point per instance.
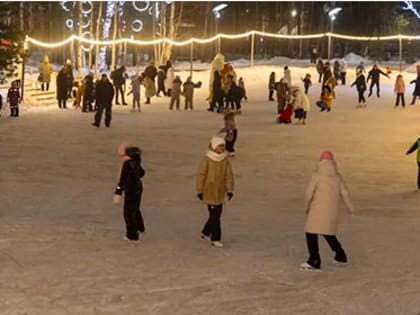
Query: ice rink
point(61, 237)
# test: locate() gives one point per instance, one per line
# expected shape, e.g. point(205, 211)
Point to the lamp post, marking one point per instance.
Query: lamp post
point(22, 83)
point(216, 12)
point(333, 15)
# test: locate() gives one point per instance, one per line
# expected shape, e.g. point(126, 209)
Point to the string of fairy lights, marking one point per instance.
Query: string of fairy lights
point(133, 41)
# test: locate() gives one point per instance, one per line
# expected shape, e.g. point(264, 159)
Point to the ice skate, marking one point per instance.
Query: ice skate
point(340, 263)
point(217, 244)
point(205, 237)
point(232, 154)
point(307, 267)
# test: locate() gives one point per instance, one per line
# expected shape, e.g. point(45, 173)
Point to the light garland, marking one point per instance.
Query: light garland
point(211, 39)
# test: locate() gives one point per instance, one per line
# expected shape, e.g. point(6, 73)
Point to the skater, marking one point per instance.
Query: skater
point(130, 183)
point(78, 94)
point(118, 77)
point(343, 71)
point(188, 92)
point(241, 84)
point(336, 70)
point(215, 182)
point(69, 77)
point(45, 71)
point(287, 76)
point(399, 89)
point(326, 98)
point(374, 74)
point(326, 73)
point(1, 103)
point(271, 86)
point(62, 89)
point(416, 92)
point(307, 82)
point(13, 97)
point(169, 77)
point(231, 131)
point(176, 93)
point(104, 96)
point(234, 96)
point(89, 95)
point(161, 76)
point(360, 83)
point(361, 67)
point(320, 69)
point(217, 93)
point(149, 81)
point(414, 147)
point(314, 54)
point(302, 106)
point(285, 116)
point(136, 82)
point(322, 210)
point(282, 94)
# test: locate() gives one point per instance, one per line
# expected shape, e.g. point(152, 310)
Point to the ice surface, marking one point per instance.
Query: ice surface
point(61, 238)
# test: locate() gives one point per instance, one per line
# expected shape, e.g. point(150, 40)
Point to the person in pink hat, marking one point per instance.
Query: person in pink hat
point(322, 197)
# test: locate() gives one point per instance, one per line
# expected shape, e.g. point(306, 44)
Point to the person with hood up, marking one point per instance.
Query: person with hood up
point(176, 93)
point(130, 183)
point(271, 86)
point(282, 95)
point(416, 147)
point(302, 106)
point(45, 71)
point(416, 92)
point(188, 92)
point(104, 94)
point(323, 193)
point(320, 69)
point(62, 89)
point(217, 93)
point(215, 183)
point(150, 73)
point(287, 75)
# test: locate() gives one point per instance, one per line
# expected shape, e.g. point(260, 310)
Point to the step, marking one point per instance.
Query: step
point(41, 93)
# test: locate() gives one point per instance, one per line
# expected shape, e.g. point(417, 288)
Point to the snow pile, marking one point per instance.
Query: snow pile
point(413, 67)
point(354, 59)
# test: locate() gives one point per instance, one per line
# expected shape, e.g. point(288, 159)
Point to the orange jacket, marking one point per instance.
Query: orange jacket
point(399, 86)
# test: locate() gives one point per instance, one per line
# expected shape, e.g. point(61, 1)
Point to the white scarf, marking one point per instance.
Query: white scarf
point(216, 157)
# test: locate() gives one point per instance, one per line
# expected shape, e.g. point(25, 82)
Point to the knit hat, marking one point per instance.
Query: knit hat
point(326, 155)
point(216, 141)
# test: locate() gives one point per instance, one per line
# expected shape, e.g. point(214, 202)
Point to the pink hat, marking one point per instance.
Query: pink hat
point(326, 155)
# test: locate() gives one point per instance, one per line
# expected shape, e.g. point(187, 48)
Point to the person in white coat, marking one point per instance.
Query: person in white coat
point(287, 76)
point(343, 71)
point(322, 208)
point(302, 105)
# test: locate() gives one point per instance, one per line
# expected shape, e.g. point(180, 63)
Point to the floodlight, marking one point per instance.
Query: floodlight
point(218, 8)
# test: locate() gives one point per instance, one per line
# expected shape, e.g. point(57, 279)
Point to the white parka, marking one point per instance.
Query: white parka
point(322, 199)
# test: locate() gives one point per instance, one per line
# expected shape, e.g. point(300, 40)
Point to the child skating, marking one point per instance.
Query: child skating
point(130, 183)
point(215, 183)
point(188, 92)
point(230, 130)
point(360, 83)
point(416, 147)
point(322, 197)
point(307, 82)
point(241, 84)
point(399, 89)
point(175, 93)
point(13, 98)
point(136, 83)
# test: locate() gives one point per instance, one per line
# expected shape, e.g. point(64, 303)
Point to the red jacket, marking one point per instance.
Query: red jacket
point(286, 115)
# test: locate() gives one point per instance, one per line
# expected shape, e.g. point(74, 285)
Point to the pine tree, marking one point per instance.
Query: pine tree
point(11, 43)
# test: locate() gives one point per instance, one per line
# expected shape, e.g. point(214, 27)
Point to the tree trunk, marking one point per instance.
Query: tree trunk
point(21, 17)
point(90, 55)
point(114, 36)
point(98, 30)
point(79, 44)
point(207, 14)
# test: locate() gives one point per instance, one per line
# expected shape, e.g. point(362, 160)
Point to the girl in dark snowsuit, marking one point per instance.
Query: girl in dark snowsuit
point(361, 87)
point(130, 183)
point(218, 93)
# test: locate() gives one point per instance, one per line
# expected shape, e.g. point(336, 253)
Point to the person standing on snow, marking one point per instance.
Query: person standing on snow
point(104, 95)
point(322, 196)
point(374, 75)
point(416, 147)
point(215, 183)
point(361, 87)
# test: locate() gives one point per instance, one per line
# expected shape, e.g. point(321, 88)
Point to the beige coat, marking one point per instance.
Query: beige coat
point(150, 88)
point(322, 199)
point(215, 180)
point(45, 70)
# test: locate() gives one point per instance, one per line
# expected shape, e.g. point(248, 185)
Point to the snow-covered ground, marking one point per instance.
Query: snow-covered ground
point(61, 238)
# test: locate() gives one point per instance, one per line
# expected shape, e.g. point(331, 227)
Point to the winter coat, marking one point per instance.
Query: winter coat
point(288, 77)
point(217, 86)
point(326, 73)
point(286, 114)
point(118, 76)
point(327, 96)
point(189, 87)
point(62, 85)
point(343, 66)
point(69, 76)
point(176, 87)
point(322, 199)
point(414, 147)
point(272, 81)
point(215, 178)
point(235, 93)
point(150, 72)
point(45, 71)
point(13, 96)
point(230, 126)
point(417, 87)
point(104, 92)
point(374, 75)
point(360, 83)
point(89, 88)
point(169, 78)
point(130, 179)
point(320, 67)
point(399, 86)
point(150, 88)
point(302, 101)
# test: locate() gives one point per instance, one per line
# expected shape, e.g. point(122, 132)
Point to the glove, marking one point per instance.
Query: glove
point(116, 199)
point(230, 195)
point(200, 196)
